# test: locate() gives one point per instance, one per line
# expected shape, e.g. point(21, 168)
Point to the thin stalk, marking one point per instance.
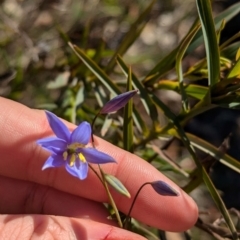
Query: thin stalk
point(111, 198)
point(132, 205)
point(103, 180)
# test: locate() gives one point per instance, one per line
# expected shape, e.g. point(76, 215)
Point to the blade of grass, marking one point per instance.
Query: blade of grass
point(210, 40)
point(107, 82)
point(214, 152)
point(128, 121)
point(230, 51)
point(192, 90)
point(201, 170)
point(165, 64)
point(182, 49)
point(98, 72)
point(168, 62)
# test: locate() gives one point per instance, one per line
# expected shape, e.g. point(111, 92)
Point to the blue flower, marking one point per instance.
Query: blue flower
point(70, 149)
point(118, 102)
point(164, 189)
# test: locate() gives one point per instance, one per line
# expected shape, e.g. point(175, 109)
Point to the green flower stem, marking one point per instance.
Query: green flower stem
point(127, 221)
point(103, 180)
point(111, 198)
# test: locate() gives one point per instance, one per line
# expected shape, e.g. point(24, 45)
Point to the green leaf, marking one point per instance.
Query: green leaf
point(235, 71)
point(230, 51)
point(127, 118)
point(146, 100)
point(225, 15)
point(168, 62)
point(182, 49)
point(214, 152)
point(108, 83)
point(219, 202)
point(96, 70)
point(140, 124)
point(220, 30)
point(117, 185)
point(210, 40)
point(179, 133)
point(130, 37)
point(192, 90)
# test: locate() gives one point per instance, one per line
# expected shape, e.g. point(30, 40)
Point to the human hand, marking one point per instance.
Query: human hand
point(52, 204)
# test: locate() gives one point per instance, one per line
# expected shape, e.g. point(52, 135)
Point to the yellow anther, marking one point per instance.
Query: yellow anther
point(72, 160)
point(81, 157)
point(65, 155)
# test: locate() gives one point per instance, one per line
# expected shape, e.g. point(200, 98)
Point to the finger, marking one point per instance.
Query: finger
point(22, 197)
point(22, 158)
point(28, 227)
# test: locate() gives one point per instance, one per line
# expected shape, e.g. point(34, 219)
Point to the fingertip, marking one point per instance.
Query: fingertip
point(187, 212)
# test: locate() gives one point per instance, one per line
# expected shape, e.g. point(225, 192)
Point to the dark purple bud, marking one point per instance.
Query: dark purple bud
point(118, 102)
point(164, 189)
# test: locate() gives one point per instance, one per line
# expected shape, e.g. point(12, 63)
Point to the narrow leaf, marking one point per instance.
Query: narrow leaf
point(214, 152)
point(192, 90)
point(128, 121)
point(179, 133)
point(96, 70)
point(168, 62)
point(106, 81)
point(210, 40)
point(117, 185)
point(230, 51)
point(182, 49)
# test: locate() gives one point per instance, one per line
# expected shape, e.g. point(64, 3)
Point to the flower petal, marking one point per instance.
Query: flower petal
point(81, 134)
point(164, 189)
point(79, 169)
point(118, 102)
point(94, 156)
point(53, 150)
point(52, 142)
point(54, 161)
point(58, 127)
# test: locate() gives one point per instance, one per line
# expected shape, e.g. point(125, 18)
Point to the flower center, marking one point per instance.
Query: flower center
point(72, 152)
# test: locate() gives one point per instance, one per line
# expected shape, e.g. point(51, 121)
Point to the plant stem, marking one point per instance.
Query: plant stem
point(111, 198)
point(133, 202)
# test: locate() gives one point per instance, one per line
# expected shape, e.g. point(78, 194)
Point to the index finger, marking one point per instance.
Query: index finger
point(22, 158)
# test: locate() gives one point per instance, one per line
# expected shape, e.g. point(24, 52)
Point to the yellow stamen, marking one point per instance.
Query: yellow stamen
point(65, 155)
point(72, 160)
point(81, 157)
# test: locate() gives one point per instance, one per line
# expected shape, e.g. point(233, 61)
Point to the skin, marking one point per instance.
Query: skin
point(52, 204)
